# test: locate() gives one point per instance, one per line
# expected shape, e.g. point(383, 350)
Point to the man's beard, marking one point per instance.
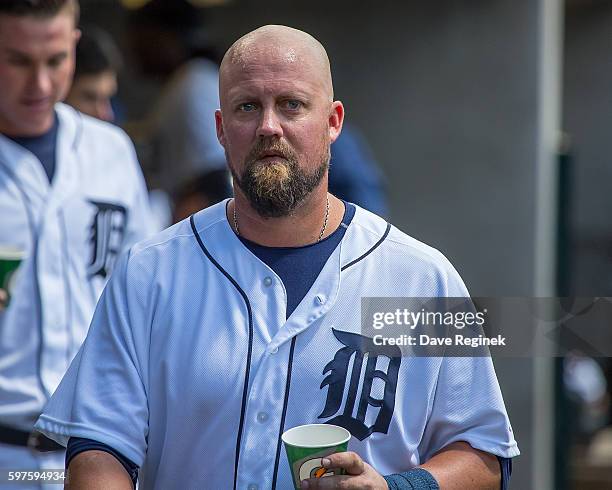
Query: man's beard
point(276, 188)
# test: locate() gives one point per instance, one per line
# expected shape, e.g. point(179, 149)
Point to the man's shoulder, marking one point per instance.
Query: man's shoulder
point(399, 253)
point(89, 130)
point(392, 238)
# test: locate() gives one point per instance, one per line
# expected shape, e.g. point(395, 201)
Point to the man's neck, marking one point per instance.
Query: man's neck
point(302, 227)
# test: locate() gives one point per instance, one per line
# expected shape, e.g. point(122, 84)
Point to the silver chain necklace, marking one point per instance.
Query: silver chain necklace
point(323, 228)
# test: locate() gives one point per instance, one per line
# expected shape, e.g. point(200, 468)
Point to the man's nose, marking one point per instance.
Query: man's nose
point(269, 124)
point(41, 81)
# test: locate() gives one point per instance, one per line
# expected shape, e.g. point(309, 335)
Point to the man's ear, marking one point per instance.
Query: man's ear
point(219, 127)
point(336, 118)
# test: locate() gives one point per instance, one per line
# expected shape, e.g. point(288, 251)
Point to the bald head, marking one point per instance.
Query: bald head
point(277, 45)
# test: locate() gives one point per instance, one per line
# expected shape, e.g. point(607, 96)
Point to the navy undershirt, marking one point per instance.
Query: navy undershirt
point(42, 146)
point(298, 268)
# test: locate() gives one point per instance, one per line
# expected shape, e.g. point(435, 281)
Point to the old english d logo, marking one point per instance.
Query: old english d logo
point(107, 230)
point(358, 347)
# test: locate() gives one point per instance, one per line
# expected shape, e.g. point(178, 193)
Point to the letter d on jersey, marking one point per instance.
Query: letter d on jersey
point(359, 347)
point(107, 231)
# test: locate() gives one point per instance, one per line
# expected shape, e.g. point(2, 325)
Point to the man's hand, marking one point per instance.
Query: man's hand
point(360, 475)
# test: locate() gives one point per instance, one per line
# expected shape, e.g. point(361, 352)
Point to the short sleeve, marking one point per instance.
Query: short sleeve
point(468, 406)
point(103, 396)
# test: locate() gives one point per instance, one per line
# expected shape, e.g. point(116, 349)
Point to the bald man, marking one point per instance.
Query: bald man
point(242, 321)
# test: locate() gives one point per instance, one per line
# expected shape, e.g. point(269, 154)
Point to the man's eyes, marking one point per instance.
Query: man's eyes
point(247, 107)
point(53, 62)
point(18, 61)
point(293, 105)
point(56, 61)
point(290, 105)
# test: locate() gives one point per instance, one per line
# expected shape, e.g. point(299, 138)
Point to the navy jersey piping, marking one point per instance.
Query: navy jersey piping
point(285, 403)
point(374, 247)
point(66, 263)
point(250, 348)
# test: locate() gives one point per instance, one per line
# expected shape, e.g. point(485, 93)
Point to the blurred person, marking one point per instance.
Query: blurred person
point(221, 332)
point(587, 388)
point(168, 40)
point(98, 62)
point(354, 173)
point(72, 197)
point(200, 193)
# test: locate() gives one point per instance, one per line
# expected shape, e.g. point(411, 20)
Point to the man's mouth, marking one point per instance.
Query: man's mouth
point(270, 155)
point(37, 104)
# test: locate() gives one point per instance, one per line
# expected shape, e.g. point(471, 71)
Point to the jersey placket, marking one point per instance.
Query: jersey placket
point(52, 268)
point(268, 391)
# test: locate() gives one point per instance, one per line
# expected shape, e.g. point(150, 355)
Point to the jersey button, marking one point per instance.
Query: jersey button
point(262, 417)
point(320, 298)
point(267, 281)
point(274, 350)
point(252, 486)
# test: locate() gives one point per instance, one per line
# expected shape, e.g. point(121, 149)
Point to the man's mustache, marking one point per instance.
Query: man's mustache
point(264, 148)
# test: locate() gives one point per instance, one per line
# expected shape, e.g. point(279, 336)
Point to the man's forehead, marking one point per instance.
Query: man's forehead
point(272, 86)
point(270, 57)
point(271, 64)
point(279, 79)
point(270, 51)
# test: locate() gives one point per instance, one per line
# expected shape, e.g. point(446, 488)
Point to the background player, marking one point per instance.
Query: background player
point(98, 62)
point(72, 197)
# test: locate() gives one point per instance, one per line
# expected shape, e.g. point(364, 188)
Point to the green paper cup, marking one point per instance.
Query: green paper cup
point(306, 445)
point(10, 258)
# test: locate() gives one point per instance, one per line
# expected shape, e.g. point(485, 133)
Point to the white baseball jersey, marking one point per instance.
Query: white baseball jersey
point(72, 231)
point(192, 370)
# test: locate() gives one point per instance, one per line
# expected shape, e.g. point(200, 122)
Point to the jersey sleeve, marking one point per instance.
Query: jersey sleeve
point(467, 403)
point(468, 406)
point(103, 395)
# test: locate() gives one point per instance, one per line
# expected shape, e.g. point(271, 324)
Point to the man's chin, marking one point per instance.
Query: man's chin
point(267, 210)
point(276, 188)
point(33, 122)
point(268, 207)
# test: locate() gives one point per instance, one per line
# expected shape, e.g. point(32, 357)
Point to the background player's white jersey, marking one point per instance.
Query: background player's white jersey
point(72, 231)
point(192, 370)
